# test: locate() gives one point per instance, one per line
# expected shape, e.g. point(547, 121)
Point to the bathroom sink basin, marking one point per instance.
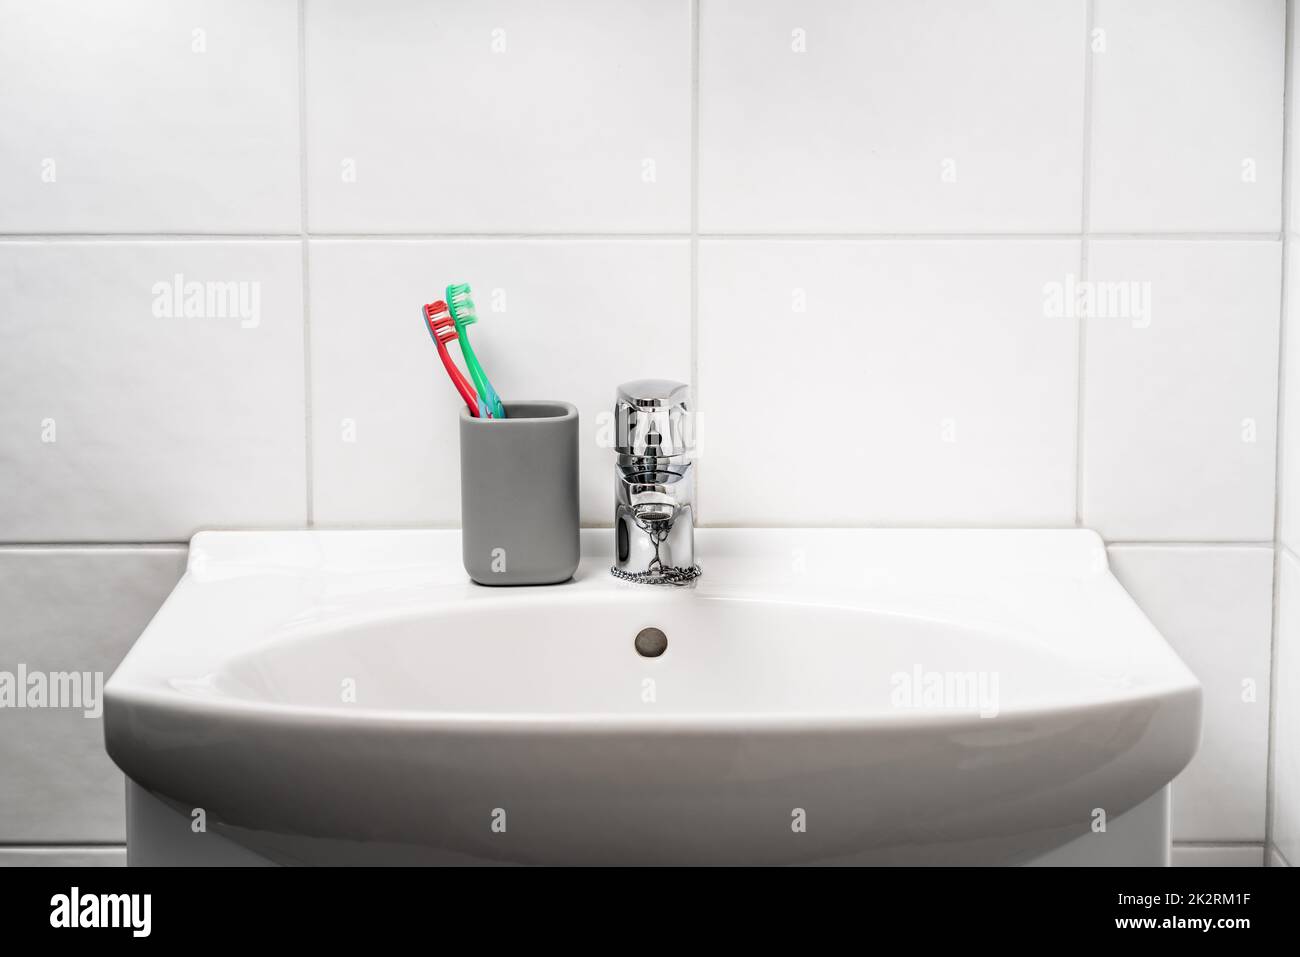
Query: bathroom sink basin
point(825, 696)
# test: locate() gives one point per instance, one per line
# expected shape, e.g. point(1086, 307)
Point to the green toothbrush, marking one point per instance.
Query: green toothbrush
point(461, 305)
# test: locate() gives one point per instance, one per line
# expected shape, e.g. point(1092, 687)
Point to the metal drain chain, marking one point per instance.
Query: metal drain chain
point(657, 573)
point(664, 575)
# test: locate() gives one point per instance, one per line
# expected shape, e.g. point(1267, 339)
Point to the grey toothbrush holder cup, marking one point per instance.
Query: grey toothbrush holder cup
point(519, 494)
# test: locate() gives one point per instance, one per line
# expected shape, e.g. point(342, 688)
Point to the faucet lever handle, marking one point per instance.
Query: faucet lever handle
point(654, 418)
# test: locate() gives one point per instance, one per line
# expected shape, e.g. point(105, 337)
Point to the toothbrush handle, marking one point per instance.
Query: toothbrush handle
point(493, 400)
point(485, 390)
point(471, 363)
point(458, 380)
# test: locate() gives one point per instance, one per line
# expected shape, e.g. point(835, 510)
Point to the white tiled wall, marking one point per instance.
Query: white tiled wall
point(1187, 115)
point(1214, 605)
point(844, 221)
point(937, 391)
point(1284, 780)
point(929, 116)
point(498, 116)
point(160, 116)
point(1226, 855)
point(1180, 409)
point(65, 610)
point(1286, 729)
point(120, 424)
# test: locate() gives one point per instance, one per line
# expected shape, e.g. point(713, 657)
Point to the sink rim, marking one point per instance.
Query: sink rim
point(742, 569)
point(615, 723)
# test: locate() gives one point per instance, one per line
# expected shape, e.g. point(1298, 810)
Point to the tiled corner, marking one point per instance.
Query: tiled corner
point(1286, 724)
point(63, 856)
point(1213, 604)
point(70, 610)
point(910, 382)
point(152, 116)
point(844, 116)
point(498, 116)
point(151, 389)
point(1288, 492)
point(1180, 407)
point(1292, 211)
point(1227, 855)
point(1284, 800)
point(564, 320)
point(1187, 115)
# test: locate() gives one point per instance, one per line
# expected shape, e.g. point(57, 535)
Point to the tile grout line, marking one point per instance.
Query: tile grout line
point(1279, 465)
point(308, 449)
point(83, 546)
point(1149, 543)
point(1234, 844)
point(1085, 221)
point(449, 526)
point(64, 846)
point(1187, 236)
point(695, 227)
point(773, 236)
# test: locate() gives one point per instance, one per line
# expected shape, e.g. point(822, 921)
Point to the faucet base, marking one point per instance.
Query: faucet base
point(671, 575)
point(654, 537)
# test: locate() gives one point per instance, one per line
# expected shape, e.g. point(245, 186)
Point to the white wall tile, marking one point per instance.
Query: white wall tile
point(1286, 729)
point(499, 115)
point(113, 122)
point(579, 318)
point(159, 425)
point(1275, 859)
point(1180, 404)
point(62, 857)
point(1288, 493)
point(1186, 95)
point(1292, 212)
point(920, 384)
point(1232, 855)
point(70, 609)
point(856, 133)
point(1214, 606)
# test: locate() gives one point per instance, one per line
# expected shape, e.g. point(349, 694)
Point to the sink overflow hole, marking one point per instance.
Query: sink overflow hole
point(651, 643)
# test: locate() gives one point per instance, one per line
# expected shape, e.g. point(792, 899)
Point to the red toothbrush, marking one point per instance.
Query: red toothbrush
point(443, 330)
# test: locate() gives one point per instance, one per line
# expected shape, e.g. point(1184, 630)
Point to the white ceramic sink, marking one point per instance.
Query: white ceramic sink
point(874, 696)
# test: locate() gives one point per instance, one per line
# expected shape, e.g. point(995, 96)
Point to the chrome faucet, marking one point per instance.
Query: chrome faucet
point(654, 483)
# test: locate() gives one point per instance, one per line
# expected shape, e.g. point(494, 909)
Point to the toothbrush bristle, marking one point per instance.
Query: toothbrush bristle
point(439, 321)
point(461, 304)
point(444, 328)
